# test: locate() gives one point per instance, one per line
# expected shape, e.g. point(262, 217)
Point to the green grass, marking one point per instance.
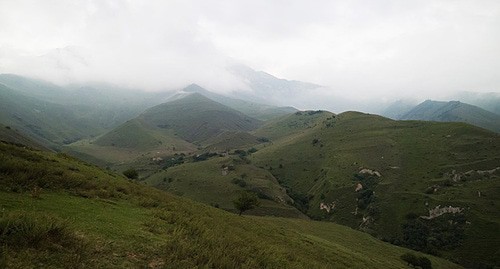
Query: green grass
point(205, 182)
point(86, 217)
point(410, 155)
point(196, 118)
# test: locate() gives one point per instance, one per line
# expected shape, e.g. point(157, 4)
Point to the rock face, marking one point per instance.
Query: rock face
point(438, 211)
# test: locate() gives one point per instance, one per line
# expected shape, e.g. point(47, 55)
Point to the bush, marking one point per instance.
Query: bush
point(263, 139)
point(246, 201)
point(422, 262)
point(240, 153)
point(131, 173)
point(239, 181)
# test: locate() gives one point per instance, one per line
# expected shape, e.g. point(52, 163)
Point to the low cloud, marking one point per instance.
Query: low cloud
point(359, 50)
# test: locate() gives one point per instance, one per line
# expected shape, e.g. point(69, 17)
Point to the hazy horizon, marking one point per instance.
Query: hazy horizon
point(357, 50)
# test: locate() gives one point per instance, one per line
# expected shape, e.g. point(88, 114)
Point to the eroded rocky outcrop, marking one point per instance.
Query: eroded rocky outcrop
point(438, 211)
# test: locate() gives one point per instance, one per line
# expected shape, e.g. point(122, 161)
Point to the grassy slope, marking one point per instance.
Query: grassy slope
point(169, 128)
point(410, 155)
point(10, 135)
point(196, 118)
point(205, 182)
point(86, 217)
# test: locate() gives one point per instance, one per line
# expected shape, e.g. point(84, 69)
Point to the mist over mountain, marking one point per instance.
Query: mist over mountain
point(250, 134)
point(454, 111)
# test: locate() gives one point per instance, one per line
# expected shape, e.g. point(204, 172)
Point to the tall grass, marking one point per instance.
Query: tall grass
point(22, 229)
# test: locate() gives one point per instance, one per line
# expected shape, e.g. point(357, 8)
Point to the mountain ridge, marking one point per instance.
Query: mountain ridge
point(454, 111)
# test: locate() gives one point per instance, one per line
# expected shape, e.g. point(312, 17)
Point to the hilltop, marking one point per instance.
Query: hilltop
point(259, 111)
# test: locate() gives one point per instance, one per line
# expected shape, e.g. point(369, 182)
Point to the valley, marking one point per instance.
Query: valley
point(326, 183)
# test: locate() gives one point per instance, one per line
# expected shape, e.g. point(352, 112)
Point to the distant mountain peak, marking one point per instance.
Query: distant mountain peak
point(454, 111)
point(194, 88)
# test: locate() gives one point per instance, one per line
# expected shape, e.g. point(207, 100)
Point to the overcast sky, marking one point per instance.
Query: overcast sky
point(365, 48)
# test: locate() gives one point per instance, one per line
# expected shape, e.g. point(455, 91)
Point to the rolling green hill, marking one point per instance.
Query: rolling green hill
point(196, 118)
point(219, 180)
point(58, 212)
point(322, 165)
point(178, 126)
point(454, 111)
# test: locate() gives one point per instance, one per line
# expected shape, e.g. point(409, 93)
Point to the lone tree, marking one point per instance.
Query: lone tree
point(246, 201)
point(131, 173)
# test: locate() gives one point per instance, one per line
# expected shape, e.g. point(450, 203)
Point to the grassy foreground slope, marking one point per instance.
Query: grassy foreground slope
point(417, 163)
point(58, 212)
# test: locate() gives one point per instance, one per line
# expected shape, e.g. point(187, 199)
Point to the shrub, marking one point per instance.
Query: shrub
point(240, 153)
point(410, 259)
point(203, 157)
point(131, 173)
point(246, 201)
point(239, 181)
point(263, 139)
point(422, 262)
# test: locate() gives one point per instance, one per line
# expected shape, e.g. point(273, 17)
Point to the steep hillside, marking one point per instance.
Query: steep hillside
point(380, 175)
point(105, 106)
point(58, 212)
point(47, 123)
point(10, 135)
point(454, 112)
